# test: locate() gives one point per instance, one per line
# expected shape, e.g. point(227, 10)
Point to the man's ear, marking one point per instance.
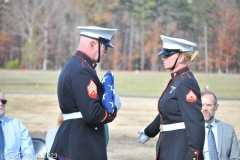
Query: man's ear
point(92, 44)
point(216, 107)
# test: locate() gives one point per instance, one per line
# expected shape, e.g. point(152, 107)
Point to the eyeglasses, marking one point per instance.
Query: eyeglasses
point(4, 101)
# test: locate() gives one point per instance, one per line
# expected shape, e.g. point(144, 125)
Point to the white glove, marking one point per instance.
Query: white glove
point(117, 101)
point(142, 137)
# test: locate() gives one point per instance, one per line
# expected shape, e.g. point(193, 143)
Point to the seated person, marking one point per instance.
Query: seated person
point(15, 141)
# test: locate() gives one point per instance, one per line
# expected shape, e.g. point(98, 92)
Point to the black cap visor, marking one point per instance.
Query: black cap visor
point(168, 52)
point(104, 41)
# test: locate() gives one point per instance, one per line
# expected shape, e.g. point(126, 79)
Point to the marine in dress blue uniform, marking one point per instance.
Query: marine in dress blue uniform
point(82, 135)
point(179, 121)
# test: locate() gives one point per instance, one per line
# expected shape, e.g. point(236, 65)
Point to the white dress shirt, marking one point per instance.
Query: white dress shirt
point(18, 143)
point(205, 147)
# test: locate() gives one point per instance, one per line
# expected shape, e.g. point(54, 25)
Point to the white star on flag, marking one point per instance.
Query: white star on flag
point(112, 74)
point(111, 104)
point(104, 96)
point(111, 87)
point(103, 80)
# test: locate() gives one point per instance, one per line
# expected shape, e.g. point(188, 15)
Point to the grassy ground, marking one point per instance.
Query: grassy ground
point(126, 83)
point(39, 111)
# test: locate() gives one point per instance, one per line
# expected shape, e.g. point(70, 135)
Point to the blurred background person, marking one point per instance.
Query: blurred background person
point(51, 133)
point(225, 142)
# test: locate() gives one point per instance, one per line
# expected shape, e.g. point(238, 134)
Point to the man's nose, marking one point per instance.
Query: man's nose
point(204, 107)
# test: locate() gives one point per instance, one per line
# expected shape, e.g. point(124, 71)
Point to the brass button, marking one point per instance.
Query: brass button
point(96, 128)
point(195, 152)
point(194, 158)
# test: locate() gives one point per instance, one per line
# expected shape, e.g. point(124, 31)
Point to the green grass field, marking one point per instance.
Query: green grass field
point(39, 111)
point(126, 83)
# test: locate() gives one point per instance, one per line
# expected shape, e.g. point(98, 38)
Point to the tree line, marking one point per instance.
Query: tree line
point(43, 34)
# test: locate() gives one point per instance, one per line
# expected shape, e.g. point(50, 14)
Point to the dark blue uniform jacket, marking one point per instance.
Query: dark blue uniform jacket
point(180, 102)
point(80, 90)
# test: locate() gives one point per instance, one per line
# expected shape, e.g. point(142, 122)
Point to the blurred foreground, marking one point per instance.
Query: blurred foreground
point(39, 113)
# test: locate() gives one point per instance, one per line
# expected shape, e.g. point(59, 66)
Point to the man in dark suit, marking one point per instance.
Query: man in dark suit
point(226, 141)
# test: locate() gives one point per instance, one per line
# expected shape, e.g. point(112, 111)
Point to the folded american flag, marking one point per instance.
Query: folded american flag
point(108, 88)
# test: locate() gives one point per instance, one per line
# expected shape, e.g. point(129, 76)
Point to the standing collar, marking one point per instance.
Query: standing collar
point(177, 73)
point(86, 58)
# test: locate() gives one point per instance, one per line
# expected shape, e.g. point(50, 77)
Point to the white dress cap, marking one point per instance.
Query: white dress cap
point(104, 34)
point(170, 43)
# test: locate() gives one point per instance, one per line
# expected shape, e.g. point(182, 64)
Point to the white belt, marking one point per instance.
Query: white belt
point(171, 127)
point(73, 115)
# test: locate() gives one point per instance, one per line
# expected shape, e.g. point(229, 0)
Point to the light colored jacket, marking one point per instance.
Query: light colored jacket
point(227, 142)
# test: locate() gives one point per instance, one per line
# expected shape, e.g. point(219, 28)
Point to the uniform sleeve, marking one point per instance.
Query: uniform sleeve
point(27, 148)
point(189, 99)
point(87, 91)
point(153, 128)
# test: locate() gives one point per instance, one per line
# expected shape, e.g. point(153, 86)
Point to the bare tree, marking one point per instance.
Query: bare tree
point(46, 20)
point(67, 35)
point(20, 20)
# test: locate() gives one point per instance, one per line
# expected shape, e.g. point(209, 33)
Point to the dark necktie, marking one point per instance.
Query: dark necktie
point(212, 144)
point(1, 142)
